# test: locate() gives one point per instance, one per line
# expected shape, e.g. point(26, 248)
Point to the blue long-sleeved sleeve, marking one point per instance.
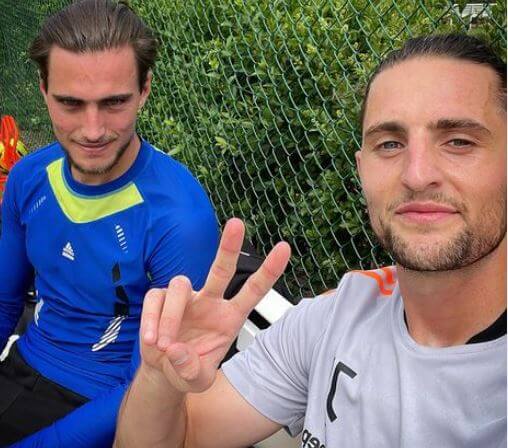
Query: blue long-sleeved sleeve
point(91, 425)
point(15, 269)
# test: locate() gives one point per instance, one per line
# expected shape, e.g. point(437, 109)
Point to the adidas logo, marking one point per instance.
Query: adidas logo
point(68, 252)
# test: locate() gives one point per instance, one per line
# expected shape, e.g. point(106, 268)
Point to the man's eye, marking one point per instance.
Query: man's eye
point(70, 102)
point(114, 102)
point(460, 143)
point(389, 145)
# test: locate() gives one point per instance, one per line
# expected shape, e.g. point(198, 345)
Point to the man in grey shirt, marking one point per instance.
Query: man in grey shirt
point(412, 355)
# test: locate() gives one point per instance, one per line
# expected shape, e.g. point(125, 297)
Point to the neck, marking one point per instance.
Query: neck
point(448, 308)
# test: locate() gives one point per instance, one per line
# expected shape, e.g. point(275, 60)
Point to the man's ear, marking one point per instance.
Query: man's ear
point(358, 157)
point(147, 87)
point(42, 88)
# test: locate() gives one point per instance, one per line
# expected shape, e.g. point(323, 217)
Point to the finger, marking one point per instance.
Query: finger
point(224, 265)
point(259, 283)
point(177, 296)
point(152, 307)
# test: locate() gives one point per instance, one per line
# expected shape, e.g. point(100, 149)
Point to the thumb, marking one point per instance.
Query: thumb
point(184, 361)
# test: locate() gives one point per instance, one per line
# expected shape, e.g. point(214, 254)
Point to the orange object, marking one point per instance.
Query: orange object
point(11, 148)
point(9, 137)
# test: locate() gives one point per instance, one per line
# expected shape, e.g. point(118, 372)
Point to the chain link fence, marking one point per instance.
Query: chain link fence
point(261, 100)
point(19, 95)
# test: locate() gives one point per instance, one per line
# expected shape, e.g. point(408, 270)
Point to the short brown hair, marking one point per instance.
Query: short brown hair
point(455, 46)
point(95, 25)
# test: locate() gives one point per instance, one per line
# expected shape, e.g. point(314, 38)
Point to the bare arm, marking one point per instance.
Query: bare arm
point(230, 421)
point(178, 398)
point(155, 415)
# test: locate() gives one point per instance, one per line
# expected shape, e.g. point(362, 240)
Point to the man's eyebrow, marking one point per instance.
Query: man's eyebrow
point(120, 97)
point(453, 123)
point(385, 126)
point(66, 98)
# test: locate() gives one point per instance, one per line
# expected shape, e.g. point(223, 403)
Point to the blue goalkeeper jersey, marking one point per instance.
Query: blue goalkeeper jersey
point(95, 251)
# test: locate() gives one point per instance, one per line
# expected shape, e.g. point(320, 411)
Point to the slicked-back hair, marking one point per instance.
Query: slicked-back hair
point(455, 46)
point(93, 26)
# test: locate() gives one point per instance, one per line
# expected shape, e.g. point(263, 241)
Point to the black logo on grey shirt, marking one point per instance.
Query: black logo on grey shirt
point(341, 367)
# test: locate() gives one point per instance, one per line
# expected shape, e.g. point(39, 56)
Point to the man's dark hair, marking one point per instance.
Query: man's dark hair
point(455, 46)
point(91, 26)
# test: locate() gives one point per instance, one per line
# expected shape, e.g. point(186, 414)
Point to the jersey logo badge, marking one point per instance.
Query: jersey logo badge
point(121, 238)
point(68, 251)
point(348, 371)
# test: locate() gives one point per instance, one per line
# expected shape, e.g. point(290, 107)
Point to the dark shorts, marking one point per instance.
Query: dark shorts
point(29, 401)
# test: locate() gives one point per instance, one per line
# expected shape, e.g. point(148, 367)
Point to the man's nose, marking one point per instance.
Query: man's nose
point(421, 169)
point(93, 124)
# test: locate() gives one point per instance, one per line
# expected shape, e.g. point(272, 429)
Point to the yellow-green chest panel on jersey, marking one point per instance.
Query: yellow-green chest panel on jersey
point(82, 209)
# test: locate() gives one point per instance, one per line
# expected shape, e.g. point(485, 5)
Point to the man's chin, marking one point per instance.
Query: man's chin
point(424, 262)
point(95, 164)
point(93, 169)
point(428, 252)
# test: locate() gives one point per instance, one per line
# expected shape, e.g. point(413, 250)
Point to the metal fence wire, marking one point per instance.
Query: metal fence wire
point(260, 99)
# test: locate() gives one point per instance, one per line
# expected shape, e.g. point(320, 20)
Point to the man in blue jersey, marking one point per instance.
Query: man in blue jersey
point(100, 216)
point(412, 355)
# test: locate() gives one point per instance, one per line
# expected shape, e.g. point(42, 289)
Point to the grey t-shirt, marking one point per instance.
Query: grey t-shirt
point(343, 369)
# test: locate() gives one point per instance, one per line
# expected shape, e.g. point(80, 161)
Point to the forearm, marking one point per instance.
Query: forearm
point(15, 269)
point(14, 277)
point(152, 414)
point(73, 430)
point(9, 316)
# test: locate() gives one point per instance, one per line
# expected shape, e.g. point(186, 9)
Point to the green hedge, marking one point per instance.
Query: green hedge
point(261, 98)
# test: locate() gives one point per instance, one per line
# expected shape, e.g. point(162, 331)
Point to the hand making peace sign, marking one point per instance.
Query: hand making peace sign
point(186, 334)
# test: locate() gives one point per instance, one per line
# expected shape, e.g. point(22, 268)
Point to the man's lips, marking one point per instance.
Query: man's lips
point(425, 207)
point(93, 147)
point(425, 212)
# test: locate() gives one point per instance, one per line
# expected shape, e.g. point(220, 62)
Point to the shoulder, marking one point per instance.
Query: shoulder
point(173, 190)
point(371, 284)
point(169, 182)
point(361, 294)
point(179, 207)
point(31, 169)
point(362, 298)
point(366, 287)
point(356, 289)
point(41, 156)
point(38, 160)
point(356, 302)
point(172, 171)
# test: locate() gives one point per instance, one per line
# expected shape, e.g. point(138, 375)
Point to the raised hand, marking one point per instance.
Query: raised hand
point(185, 334)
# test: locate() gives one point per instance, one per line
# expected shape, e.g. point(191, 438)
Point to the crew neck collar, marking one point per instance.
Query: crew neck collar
point(402, 332)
